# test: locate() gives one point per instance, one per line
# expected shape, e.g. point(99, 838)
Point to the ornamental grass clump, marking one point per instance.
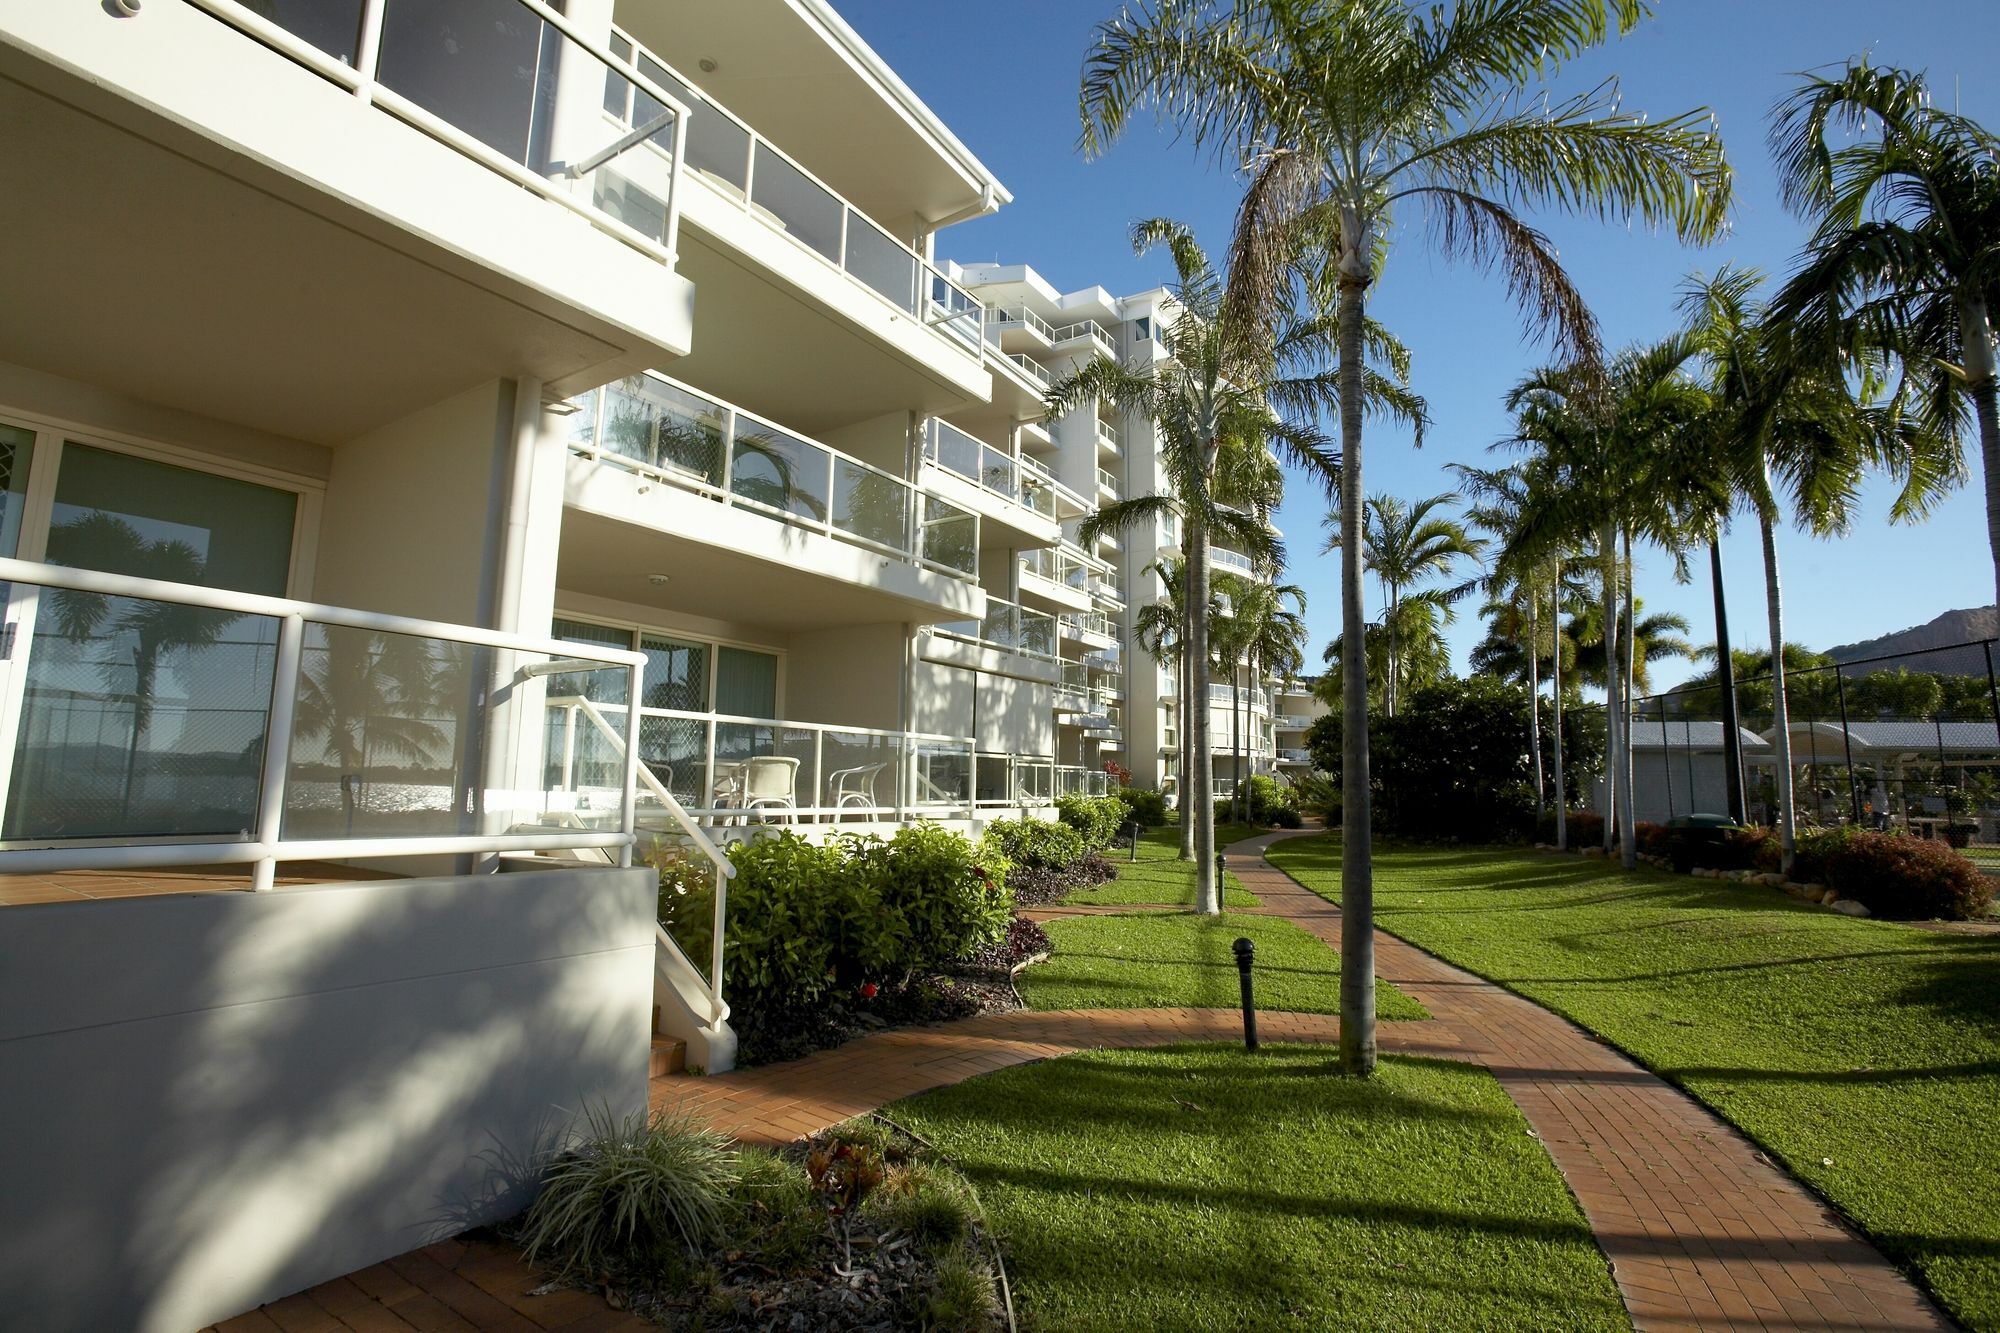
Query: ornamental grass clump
point(630, 1196)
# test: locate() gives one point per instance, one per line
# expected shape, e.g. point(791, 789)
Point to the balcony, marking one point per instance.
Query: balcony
point(1233, 561)
point(1295, 757)
point(728, 771)
point(1018, 498)
point(1008, 628)
point(1018, 329)
point(1086, 333)
point(1057, 577)
point(1074, 780)
point(381, 241)
point(748, 514)
point(1107, 485)
point(1293, 722)
point(1109, 440)
point(261, 730)
point(770, 244)
point(1253, 698)
point(1092, 628)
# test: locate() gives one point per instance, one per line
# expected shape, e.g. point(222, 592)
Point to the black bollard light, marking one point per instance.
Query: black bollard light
point(1133, 828)
point(1246, 953)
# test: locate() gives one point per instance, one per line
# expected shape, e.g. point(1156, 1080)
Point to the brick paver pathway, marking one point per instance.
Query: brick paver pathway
point(1701, 1230)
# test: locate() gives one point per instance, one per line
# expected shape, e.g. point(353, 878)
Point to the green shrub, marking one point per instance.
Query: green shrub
point(1261, 797)
point(1908, 879)
point(1038, 844)
point(786, 913)
point(630, 1196)
point(1816, 850)
point(1148, 805)
point(1586, 829)
point(920, 901)
point(1286, 817)
point(1098, 818)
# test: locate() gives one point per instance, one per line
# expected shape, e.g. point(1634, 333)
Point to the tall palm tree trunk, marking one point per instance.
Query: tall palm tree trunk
point(1201, 778)
point(1556, 692)
point(1984, 386)
point(1535, 698)
point(1357, 870)
point(1628, 771)
point(1781, 713)
point(1725, 665)
point(1607, 560)
point(1183, 713)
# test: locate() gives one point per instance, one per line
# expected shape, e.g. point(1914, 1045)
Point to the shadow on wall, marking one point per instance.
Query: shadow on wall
point(214, 1100)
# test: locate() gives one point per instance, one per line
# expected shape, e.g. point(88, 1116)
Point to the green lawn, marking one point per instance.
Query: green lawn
point(1160, 876)
point(1865, 1054)
point(1202, 1188)
point(1165, 960)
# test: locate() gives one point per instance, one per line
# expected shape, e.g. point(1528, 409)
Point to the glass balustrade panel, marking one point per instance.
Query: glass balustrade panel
point(780, 471)
point(871, 505)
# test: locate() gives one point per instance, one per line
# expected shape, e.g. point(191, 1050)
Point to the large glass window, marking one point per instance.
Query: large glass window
point(128, 515)
point(746, 683)
point(676, 674)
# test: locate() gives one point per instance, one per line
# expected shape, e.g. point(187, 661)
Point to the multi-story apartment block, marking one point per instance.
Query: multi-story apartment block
point(1119, 703)
point(442, 437)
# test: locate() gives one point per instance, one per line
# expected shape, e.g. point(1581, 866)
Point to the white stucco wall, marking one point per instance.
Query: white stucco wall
point(213, 1100)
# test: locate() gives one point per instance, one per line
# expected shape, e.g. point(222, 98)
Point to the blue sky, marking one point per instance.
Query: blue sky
point(1004, 77)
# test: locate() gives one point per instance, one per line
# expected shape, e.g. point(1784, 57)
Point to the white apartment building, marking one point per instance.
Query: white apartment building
point(1117, 703)
point(451, 436)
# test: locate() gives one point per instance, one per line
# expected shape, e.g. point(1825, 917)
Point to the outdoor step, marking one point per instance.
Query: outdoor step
point(669, 1057)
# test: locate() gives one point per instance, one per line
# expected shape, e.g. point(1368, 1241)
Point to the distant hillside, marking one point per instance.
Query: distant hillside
point(1949, 629)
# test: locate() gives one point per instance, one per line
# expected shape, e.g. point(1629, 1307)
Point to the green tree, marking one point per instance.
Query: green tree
point(1242, 373)
point(1344, 113)
point(1905, 254)
point(1404, 545)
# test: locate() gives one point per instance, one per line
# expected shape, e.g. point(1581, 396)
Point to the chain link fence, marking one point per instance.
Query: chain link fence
point(1908, 741)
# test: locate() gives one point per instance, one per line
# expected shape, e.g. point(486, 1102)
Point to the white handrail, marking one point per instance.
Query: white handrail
point(651, 783)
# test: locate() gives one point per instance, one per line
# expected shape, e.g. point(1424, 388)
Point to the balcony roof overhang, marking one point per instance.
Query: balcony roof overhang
point(780, 64)
point(262, 249)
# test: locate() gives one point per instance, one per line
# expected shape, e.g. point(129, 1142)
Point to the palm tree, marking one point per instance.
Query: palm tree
point(1788, 422)
point(1905, 256)
point(1242, 373)
point(1597, 440)
point(1345, 109)
point(1260, 633)
point(1160, 628)
point(1405, 544)
point(1659, 637)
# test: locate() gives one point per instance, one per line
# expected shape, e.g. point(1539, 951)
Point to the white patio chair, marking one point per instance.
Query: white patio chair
point(771, 782)
point(855, 787)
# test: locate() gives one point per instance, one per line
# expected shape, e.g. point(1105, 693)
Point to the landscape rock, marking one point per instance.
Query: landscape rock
point(1849, 907)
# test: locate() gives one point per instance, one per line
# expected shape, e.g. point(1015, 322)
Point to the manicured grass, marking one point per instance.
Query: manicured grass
point(1865, 1054)
point(1166, 960)
point(1160, 876)
point(1202, 1188)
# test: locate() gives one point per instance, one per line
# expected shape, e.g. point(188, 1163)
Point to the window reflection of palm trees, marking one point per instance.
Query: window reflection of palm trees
point(372, 699)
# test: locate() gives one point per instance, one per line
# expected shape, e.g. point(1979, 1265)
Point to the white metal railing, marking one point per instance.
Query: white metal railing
point(1296, 756)
point(1106, 589)
point(1294, 722)
point(1087, 328)
point(1107, 481)
point(1009, 627)
point(1078, 623)
point(720, 769)
point(1101, 661)
point(1255, 698)
point(264, 729)
point(1031, 368)
point(1014, 779)
point(670, 433)
point(774, 188)
point(1059, 564)
point(999, 316)
point(511, 114)
point(1233, 560)
point(1016, 480)
point(1110, 438)
point(1076, 780)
